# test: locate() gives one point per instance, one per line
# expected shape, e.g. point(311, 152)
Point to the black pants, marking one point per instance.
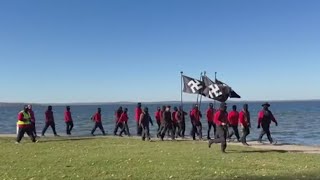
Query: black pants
point(98, 125)
point(159, 125)
point(222, 137)
point(182, 129)
point(167, 127)
point(33, 128)
point(234, 131)
point(27, 130)
point(125, 129)
point(245, 133)
point(145, 132)
point(52, 125)
point(69, 126)
point(139, 129)
point(117, 126)
point(265, 130)
point(197, 129)
point(175, 127)
point(210, 126)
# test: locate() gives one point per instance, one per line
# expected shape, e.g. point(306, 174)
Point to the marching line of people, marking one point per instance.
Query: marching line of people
point(224, 124)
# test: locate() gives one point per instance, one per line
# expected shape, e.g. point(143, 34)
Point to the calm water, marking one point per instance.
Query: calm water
point(299, 122)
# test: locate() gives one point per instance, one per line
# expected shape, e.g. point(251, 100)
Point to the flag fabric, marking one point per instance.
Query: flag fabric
point(214, 90)
point(232, 93)
point(192, 86)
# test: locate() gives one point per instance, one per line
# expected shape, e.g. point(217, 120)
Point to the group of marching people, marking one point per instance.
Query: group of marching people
point(169, 123)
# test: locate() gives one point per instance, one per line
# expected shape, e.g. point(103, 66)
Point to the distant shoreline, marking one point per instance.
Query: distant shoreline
point(155, 102)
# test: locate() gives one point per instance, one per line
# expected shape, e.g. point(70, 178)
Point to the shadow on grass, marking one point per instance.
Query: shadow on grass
point(263, 151)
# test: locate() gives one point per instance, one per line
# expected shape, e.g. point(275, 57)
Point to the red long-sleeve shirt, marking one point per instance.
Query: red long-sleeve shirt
point(196, 115)
point(32, 117)
point(67, 116)
point(220, 117)
point(266, 118)
point(210, 115)
point(22, 118)
point(97, 118)
point(123, 118)
point(157, 115)
point(49, 116)
point(138, 114)
point(174, 118)
point(233, 118)
point(244, 118)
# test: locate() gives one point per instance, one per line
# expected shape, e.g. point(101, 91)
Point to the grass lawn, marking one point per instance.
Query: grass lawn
point(130, 158)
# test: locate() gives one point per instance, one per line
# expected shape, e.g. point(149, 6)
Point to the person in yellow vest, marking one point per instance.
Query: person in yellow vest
point(24, 125)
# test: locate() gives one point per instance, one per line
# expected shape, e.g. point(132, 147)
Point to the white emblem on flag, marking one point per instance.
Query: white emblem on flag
point(214, 91)
point(195, 85)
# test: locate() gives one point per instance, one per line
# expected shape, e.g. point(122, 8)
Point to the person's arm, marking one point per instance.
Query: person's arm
point(20, 117)
point(140, 119)
point(150, 121)
point(273, 119)
point(241, 119)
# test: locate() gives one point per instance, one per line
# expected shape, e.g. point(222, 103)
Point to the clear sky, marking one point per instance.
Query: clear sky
point(125, 50)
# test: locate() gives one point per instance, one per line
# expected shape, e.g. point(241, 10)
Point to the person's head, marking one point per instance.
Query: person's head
point(120, 108)
point(223, 106)
point(25, 108)
point(125, 110)
point(158, 109)
point(168, 108)
point(139, 105)
point(50, 108)
point(211, 105)
point(30, 107)
point(245, 107)
point(99, 110)
point(266, 106)
point(234, 107)
point(175, 109)
point(163, 108)
point(68, 108)
point(146, 110)
point(196, 107)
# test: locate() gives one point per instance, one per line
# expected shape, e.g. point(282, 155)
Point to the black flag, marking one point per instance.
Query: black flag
point(214, 90)
point(232, 93)
point(192, 86)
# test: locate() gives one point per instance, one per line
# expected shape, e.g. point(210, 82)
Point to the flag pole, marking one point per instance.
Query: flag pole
point(198, 94)
point(204, 73)
point(181, 92)
point(215, 80)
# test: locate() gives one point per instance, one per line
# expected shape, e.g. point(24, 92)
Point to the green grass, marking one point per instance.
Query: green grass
point(116, 158)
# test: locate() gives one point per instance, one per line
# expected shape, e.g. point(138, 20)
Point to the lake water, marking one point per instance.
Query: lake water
point(299, 122)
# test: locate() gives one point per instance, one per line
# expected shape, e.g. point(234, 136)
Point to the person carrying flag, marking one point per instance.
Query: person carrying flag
point(210, 119)
point(196, 122)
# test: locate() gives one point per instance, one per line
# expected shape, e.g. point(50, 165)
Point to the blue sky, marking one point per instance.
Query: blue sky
point(124, 50)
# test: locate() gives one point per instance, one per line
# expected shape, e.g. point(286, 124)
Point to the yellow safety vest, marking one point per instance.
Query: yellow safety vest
point(25, 116)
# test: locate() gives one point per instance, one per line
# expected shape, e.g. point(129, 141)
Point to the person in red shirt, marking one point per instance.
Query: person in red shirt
point(49, 122)
point(118, 125)
point(124, 121)
point(211, 124)
point(244, 120)
point(162, 121)
point(157, 116)
point(196, 123)
point(98, 122)
point(68, 120)
point(175, 124)
point(33, 120)
point(265, 118)
point(24, 125)
point(233, 118)
point(180, 116)
point(137, 116)
point(221, 120)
